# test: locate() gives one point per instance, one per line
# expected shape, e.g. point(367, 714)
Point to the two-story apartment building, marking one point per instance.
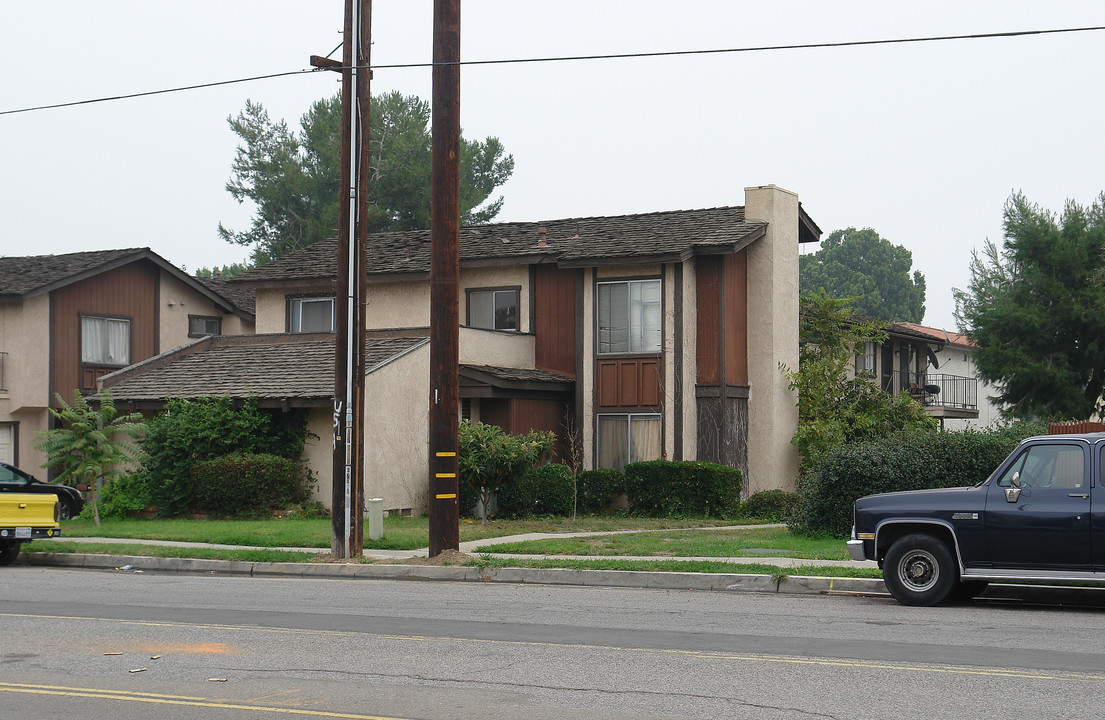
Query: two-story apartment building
point(657, 335)
point(67, 320)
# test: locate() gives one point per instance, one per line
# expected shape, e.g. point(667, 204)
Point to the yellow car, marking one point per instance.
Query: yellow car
point(24, 517)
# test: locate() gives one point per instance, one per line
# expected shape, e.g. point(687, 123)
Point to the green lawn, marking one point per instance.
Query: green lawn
point(400, 533)
point(773, 542)
point(92, 548)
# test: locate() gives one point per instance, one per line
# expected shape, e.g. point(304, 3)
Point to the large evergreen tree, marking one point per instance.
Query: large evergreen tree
point(293, 178)
point(1036, 308)
point(860, 264)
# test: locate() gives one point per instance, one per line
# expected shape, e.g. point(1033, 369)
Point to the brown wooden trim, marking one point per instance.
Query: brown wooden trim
point(678, 348)
point(728, 391)
point(580, 287)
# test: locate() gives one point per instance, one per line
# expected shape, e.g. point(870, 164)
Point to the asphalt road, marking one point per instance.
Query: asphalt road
point(234, 647)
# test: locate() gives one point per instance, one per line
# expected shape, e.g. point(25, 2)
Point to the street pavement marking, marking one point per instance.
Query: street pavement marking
point(127, 696)
point(1018, 673)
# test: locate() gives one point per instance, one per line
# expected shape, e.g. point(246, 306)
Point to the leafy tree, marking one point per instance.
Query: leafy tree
point(862, 265)
point(490, 457)
point(294, 178)
point(85, 448)
point(225, 272)
point(834, 406)
point(1037, 311)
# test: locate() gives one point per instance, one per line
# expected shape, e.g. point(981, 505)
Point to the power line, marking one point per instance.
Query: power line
point(572, 58)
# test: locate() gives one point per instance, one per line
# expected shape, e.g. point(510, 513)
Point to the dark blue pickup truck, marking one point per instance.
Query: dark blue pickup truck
point(1040, 516)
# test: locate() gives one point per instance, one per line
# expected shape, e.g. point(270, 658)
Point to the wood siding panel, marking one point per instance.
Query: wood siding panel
point(736, 318)
point(708, 312)
point(127, 292)
point(555, 320)
point(628, 383)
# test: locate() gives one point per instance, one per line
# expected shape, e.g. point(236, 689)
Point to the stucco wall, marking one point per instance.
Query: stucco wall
point(773, 338)
point(269, 310)
point(496, 347)
point(25, 337)
point(318, 451)
point(178, 301)
point(690, 361)
point(397, 421)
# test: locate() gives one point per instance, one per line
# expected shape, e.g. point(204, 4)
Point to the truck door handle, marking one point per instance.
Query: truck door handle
point(1078, 495)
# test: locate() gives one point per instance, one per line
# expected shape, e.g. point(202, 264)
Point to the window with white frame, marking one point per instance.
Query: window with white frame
point(493, 309)
point(311, 314)
point(630, 316)
point(865, 358)
point(105, 340)
point(627, 438)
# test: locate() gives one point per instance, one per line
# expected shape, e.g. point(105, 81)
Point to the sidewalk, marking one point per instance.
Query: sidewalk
point(773, 583)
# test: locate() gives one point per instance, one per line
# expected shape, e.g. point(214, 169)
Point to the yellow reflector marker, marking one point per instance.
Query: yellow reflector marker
point(445, 475)
point(449, 496)
point(446, 454)
point(865, 536)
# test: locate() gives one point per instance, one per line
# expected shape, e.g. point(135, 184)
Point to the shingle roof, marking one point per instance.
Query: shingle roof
point(571, 242)
point(244, 298)
point(264, 366)
point(24, 275)
point(521, 374)
point(948, 336)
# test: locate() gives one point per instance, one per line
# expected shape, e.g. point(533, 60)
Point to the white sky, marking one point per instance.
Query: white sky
point(922, 142)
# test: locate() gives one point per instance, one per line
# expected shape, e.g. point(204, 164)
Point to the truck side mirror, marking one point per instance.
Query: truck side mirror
point(1012, 494)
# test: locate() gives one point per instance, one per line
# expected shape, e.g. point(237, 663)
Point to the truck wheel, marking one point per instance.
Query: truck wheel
point(9, 551)
point(919, 570)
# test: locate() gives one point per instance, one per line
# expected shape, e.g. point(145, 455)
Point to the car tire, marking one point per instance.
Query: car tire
point(919, 570)
point(9, 551)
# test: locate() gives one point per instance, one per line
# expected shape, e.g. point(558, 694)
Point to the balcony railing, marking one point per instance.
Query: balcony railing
point(938, 390)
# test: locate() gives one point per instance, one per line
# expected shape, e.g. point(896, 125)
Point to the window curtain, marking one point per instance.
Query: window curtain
point(613, 450)
point(118, 342)
point(644, 438)
point(93, 340)
point(105, 341)
point(613, 317)
point(645, 319)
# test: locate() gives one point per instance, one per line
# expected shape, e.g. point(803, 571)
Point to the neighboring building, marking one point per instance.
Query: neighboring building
point(959, 380)
point(67, 320)
point(659, 335)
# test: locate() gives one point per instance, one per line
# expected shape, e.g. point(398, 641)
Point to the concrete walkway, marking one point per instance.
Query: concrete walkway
point(472, 547)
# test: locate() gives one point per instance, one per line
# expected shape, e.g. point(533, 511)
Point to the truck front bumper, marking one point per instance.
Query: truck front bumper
point(855, 550)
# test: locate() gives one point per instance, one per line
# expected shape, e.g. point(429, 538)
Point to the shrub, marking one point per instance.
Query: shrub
point(552, 489)
point(125, 495)
point(909, 461)
point(774, 505)
point(491, 460)
point(595, 489)
point(248, 484)
point(191, 431)
point(664, 488)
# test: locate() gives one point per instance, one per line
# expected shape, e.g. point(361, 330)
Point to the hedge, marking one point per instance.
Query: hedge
point(596, 489)
point(912, 461)
point(773, 505)
point(248, 484)
point(671, 488)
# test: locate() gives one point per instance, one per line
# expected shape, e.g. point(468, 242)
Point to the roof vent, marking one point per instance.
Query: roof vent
point(542, 235)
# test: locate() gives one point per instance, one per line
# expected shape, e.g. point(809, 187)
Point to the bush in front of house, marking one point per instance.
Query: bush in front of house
point(596, 489)
point(663, 488)
point(191, 431)
point(773, 505)
point(908, 461)
point(492, 461)
point(125, 496)
point(248, 484)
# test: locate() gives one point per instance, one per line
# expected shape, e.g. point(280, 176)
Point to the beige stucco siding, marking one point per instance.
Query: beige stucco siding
point(496, 347)
point(25, 338)
point(690, 361)
point(318, 452)
point(269, 310)
point(586, 379)
point(397, 421)
point(178, 301)
point(773, 339)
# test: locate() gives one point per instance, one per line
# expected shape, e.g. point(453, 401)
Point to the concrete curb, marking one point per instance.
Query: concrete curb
point(528, 576)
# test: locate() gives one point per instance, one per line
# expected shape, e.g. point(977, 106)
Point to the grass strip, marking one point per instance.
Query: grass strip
point(44, 547)
point(697, 566)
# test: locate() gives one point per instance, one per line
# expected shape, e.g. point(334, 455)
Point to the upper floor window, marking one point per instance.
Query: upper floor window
point(865, 358)
point(493, 309)
point(311, 314)
point(105, 341)
point(629, 316)
point(200, 325)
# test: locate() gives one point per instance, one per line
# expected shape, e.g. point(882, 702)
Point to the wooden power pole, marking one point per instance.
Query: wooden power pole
point(445, 281)
point(347, 498)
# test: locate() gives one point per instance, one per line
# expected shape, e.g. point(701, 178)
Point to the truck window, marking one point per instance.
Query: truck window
point(1042, 466)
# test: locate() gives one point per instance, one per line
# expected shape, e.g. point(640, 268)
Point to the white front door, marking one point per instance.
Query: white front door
point(7, 443)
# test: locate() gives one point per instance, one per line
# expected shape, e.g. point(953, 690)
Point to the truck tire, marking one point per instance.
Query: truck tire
point(9, 551)
point(919, 570)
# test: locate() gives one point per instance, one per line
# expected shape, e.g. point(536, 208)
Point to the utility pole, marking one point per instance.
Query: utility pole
point(445, 281)
point(347, 496)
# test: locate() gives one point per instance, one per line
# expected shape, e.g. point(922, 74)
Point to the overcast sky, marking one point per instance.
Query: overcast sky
point(922, 142)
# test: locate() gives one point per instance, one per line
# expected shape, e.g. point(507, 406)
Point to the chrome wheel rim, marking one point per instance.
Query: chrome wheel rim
point(918, 570)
